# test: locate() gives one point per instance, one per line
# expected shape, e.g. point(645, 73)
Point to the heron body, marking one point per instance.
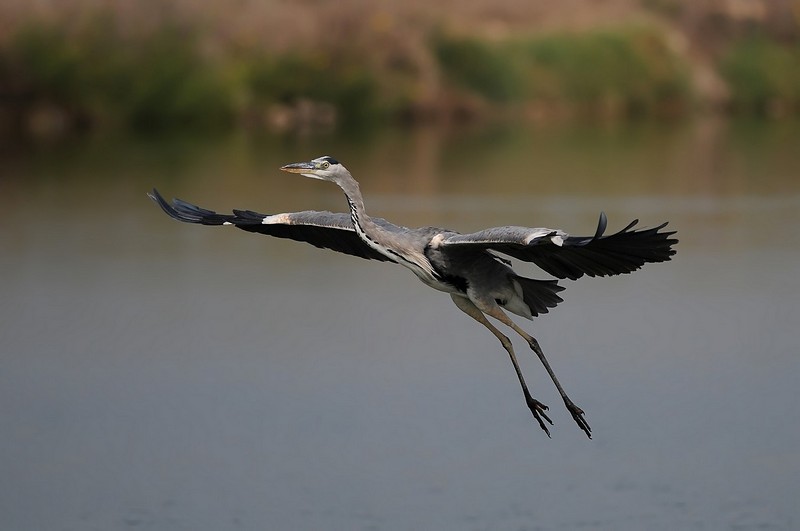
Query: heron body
point(467, 266)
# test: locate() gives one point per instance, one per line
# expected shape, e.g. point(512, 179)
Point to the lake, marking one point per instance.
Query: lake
point(159, 375)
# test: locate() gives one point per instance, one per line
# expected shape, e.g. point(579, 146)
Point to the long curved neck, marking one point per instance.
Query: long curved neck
point(361, 221)
point(356, 202)
point(388, 243)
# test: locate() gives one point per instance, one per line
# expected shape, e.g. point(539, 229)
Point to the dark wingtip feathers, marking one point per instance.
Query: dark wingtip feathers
point(623, 252)
point(187, 212)
point(167, 208)
point(602, 223)
point(643, 245)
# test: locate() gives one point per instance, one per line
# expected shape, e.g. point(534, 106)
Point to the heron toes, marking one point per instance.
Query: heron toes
point(577, 414)
point(538, 409)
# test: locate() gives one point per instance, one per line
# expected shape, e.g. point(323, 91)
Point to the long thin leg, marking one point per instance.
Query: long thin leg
point(575, 411)
point(537, 408)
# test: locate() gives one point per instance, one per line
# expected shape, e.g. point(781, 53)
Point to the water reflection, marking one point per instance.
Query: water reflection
point(157, 374)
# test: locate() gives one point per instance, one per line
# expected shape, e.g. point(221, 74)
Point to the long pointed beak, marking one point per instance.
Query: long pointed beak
point(298, 167)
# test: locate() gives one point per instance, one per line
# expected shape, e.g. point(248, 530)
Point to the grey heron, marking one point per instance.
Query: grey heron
point(466, 266)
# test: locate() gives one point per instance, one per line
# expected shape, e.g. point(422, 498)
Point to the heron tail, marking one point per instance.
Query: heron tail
point(539, 295)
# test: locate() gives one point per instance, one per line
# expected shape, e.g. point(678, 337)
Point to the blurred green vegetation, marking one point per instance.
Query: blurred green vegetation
point(91, 76)
point(484, 68)
point(98, 76)
point(95, 77)
point(627, 71)
point(763, 76)
point(338, 80)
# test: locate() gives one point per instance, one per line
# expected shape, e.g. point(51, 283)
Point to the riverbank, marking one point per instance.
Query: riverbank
point(148, 67)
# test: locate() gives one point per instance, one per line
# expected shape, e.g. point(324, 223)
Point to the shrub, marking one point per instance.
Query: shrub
point(340, 81)
point(762, 75)
point(626, 70)
point(480, 67)
point(43, 63)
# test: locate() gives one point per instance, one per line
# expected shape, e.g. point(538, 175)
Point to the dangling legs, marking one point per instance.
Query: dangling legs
point(537, 408)
point(575, 411)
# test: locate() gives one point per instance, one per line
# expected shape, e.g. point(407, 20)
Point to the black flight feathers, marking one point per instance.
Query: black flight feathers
point(598, 255)
point(622, 252)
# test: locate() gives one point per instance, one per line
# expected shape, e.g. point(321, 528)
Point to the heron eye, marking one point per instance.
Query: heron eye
point(325, 165)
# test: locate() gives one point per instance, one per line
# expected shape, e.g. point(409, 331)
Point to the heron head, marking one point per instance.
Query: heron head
point(324, 168)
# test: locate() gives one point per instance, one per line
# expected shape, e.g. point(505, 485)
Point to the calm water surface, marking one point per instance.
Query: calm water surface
point(157, 375)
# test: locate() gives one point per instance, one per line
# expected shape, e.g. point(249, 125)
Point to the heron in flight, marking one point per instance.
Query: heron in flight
point(466, 266)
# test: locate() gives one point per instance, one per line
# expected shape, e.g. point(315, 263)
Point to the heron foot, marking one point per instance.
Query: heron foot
point(538, 409)
point(577, 415)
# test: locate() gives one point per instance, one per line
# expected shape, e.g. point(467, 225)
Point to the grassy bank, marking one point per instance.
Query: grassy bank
point(92, 76)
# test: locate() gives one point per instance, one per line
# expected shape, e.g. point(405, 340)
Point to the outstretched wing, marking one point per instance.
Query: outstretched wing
point(572, 257)
point(327, 230)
